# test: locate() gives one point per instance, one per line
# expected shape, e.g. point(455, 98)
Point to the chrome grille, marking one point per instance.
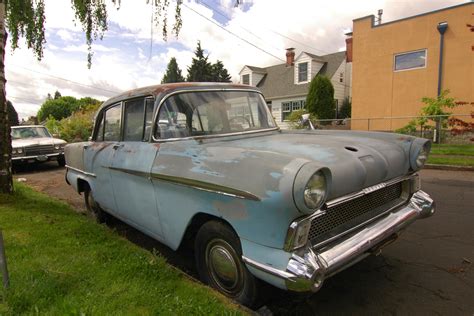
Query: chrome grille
point(344, 216)
point(39, 150)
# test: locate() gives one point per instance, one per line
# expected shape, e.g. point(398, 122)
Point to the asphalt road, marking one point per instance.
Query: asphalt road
point(428, 271)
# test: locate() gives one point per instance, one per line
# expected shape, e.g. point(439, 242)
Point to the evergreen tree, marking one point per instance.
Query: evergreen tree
point(12, 114)
point(200, 69)
point(320, 98)
point(219, 73)
point(173, 73)
point(57, 95)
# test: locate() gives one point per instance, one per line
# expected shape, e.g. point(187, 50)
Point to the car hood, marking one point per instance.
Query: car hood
point(356, 159)
point(36, 141)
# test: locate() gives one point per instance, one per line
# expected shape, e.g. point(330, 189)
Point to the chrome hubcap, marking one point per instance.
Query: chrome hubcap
point(223, 268)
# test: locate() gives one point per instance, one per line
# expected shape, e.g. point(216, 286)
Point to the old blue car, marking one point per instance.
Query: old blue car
point(206, 163)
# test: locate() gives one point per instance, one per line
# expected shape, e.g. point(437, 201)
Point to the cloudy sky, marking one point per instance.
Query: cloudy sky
point(255, 33)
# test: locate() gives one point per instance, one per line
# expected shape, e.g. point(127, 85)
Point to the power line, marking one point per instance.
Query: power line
point(230, 32)
point(22, 99)
point(243, 28)
point(67, 80)
point(273, 31)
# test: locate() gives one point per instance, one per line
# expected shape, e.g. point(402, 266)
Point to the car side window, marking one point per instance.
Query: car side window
point(100, 130)
point(174, 119)
point(113, 120)
point(134, 120)
point(149, 107)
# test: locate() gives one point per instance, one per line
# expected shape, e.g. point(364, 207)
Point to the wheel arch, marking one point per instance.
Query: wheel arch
point(196, 223)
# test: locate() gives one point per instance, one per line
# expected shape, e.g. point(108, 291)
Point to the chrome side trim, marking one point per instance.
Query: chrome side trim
point(132, 172)
point(266, 268)
point(196, 184)
point(206, 186)
point(81, 171)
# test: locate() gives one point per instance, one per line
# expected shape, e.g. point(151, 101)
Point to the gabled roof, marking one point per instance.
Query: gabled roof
point(278, 81)
point(257, 69)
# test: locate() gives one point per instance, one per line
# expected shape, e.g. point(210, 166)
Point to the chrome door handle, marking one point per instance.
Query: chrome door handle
point(117, 146)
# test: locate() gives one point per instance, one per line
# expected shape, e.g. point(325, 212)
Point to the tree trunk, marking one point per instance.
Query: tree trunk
point(6, 180)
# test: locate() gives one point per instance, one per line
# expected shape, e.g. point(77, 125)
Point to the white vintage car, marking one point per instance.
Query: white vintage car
point(206, 164)
point(34, 143)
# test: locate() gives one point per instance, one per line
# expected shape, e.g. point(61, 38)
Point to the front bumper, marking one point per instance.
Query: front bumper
point(39, 158)
point(307, 268)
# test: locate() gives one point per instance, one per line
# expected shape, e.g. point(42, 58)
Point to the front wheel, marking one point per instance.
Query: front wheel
point(94, 208)
point(61, 161)
point(219, 263)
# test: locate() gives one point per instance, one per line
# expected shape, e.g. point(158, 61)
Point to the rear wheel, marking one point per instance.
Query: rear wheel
point(219, 263)
point(94, 208)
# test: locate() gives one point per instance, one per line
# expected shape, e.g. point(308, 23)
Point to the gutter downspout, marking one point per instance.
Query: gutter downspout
point(442, 27)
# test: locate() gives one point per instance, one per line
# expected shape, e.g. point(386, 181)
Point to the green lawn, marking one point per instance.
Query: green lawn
point(458, 150)
point(455, 155)
point(62, 263)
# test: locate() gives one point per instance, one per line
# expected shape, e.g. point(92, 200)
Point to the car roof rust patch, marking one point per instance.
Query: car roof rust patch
point(169, 87)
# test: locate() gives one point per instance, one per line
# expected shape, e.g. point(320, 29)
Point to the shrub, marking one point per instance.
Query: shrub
point(320, 99)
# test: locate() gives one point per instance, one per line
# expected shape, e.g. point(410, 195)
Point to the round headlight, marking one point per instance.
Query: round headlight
point(57, 147)
point(14, 151)
point(19, 150)
point(422, 157)
point(315, 190)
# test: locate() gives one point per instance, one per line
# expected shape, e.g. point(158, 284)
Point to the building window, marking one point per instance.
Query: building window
point(288, 107)
point(246, 79)
point(410, 60)
point(341, 77)
point(302, 72)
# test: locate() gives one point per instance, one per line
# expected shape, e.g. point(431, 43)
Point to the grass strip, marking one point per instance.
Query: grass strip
point(63, 263)
point(452, 161)
point(457, 150)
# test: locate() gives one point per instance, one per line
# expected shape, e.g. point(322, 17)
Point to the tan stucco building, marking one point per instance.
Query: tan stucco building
point(395, 64)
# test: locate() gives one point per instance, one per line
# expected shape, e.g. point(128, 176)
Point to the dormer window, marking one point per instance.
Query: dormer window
point(246, 79)
point(303, 72)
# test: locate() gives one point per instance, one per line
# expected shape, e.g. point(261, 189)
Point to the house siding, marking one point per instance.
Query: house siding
point(340, 87)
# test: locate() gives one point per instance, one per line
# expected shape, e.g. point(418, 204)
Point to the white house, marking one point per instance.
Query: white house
point(285, 86)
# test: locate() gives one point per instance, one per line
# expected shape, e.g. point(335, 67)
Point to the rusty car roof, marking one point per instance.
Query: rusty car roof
point(170, 87)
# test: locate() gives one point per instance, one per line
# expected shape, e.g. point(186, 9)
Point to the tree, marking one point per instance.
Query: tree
point(200, 69)
point(58, 108)
point(12, 115)
point(320, 99)
point(345, 109)
point(57, 95)
point(219, 73)
point(26, 19)
point(173, 73)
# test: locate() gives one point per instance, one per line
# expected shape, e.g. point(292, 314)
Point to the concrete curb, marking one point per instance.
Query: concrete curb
point(449, 167)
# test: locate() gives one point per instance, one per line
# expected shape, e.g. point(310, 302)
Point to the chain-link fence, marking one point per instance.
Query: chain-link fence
point(450, 129)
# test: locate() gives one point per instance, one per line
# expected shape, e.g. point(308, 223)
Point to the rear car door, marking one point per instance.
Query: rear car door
point(98, 155)
point(131, 164)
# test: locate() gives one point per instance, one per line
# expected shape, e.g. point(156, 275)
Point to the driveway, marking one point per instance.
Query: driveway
point(429, 270)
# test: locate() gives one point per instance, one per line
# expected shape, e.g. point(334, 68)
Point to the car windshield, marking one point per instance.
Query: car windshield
point(212, 112)
point(29, 132)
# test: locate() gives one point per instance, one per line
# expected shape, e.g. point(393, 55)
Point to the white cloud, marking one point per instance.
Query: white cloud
point(307, 25)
